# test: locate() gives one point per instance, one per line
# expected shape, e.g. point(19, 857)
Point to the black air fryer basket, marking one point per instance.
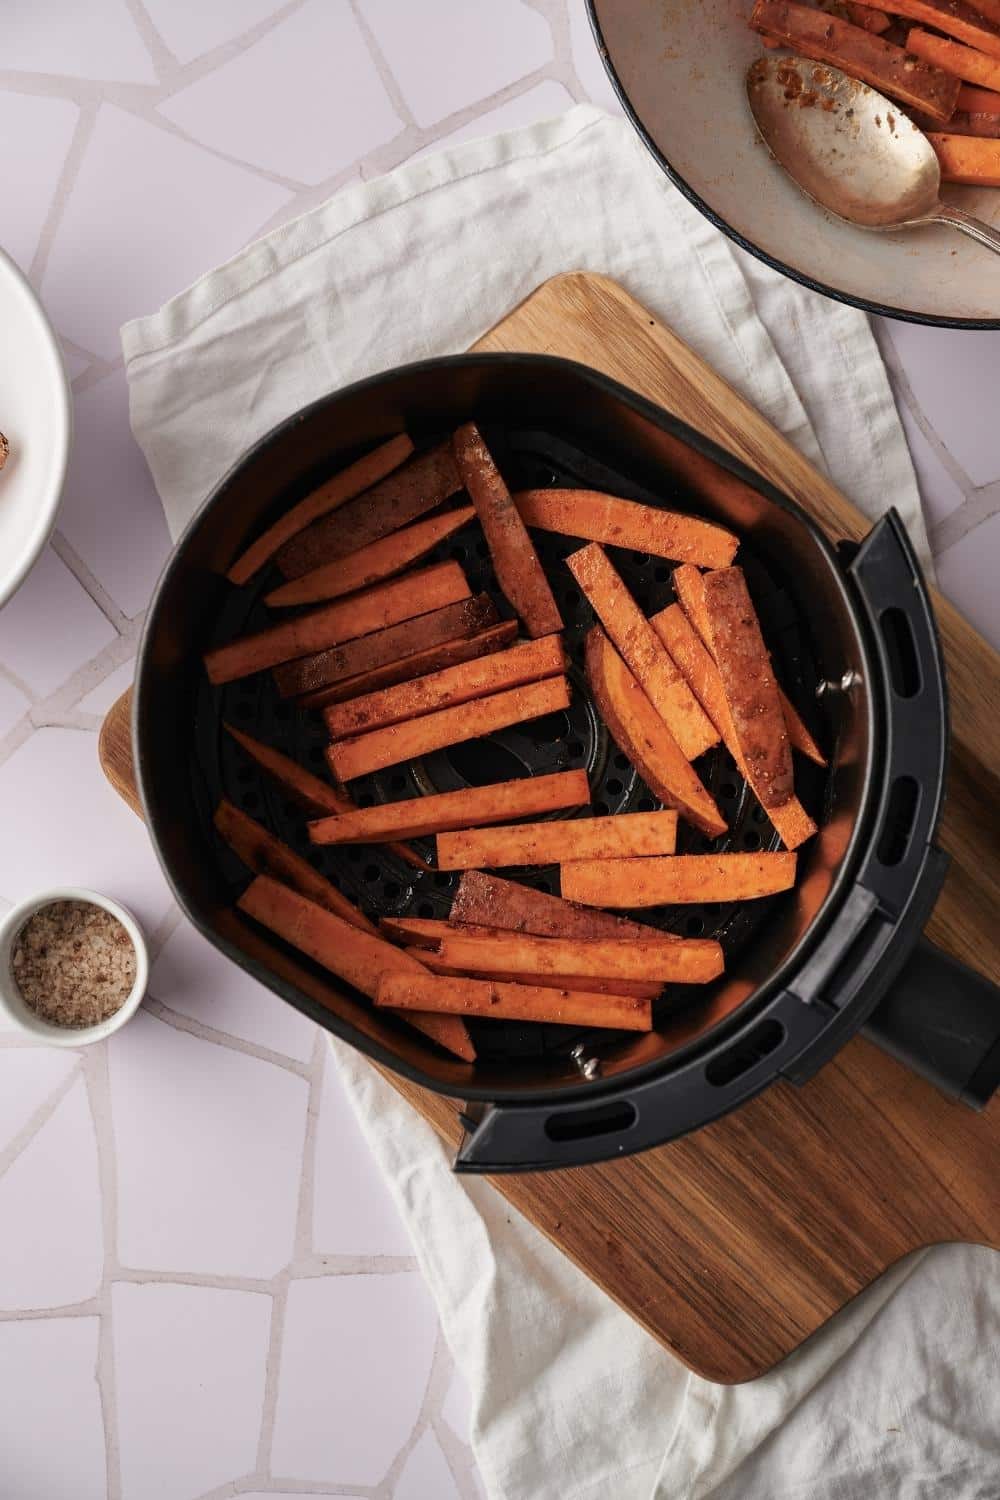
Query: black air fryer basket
point(855, 647)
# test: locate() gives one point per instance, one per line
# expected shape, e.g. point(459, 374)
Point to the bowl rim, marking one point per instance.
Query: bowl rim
point(61, 433)
point(12, 1006)
point(878, 309)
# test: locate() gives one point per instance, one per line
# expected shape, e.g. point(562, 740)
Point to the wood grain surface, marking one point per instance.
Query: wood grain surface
point(735, 1244)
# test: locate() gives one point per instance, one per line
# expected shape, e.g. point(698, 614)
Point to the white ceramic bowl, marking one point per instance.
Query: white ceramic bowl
point(679, 68)
point(12, 1005)
point(36, 418)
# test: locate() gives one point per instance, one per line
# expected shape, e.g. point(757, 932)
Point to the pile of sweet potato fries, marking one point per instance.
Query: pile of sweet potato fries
point(402, 661)
point(945, 69)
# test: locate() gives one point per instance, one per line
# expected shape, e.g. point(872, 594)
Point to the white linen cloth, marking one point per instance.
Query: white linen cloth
point(571, 1399)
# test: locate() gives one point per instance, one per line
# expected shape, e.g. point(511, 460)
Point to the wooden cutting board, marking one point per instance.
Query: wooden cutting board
point(735, 1244)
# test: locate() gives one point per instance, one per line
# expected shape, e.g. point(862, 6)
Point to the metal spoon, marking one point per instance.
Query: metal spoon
point(851, 150)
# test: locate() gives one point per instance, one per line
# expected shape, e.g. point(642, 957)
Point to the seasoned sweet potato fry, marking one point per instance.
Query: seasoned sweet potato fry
point(449, 726)
point(330, 496)
point(869, 19)
point(627, 523)
point(528, 662)
point(512, 1002)
point(360, 958)
point(636, 988)
point(817, 34)
point(642, 650)
point(261, 852)
point(697, 665)
point(791, 820)
point(679, 878)
point(424, 484)
point(515, 561)
point(419, 664)
point(637, 728)
point(489, 900)
point(977, 26)
point(468, 808)
point(421, 936)
point(379, 560)
point(964, 62)
point(630, 836)
point(386, 604)
point(980, 101)
point(450, 622)
point(311, 792)
point(968, 159)
point(750, 686)
point(689, 586)
point(689, 961)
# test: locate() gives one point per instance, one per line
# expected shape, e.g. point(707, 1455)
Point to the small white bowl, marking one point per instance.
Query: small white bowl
point(36, 418)
point(12, 1004)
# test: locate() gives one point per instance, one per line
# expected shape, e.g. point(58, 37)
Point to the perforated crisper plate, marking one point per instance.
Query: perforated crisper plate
point(377, 880)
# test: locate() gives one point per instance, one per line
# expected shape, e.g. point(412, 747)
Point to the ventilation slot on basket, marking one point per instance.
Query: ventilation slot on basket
point(899, 819)
point(904, 668)
point(585, 1124)
point(761, 1042)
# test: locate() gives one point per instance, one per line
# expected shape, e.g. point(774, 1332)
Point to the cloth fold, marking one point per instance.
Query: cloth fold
point(571, 1399)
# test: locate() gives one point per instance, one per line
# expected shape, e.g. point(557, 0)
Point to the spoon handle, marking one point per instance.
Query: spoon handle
point(985, 234)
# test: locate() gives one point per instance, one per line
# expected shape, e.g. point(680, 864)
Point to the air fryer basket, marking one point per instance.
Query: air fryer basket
point(547, 422)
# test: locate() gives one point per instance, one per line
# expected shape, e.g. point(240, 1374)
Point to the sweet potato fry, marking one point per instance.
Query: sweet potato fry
point(330, 496)
point(450, 622)
point(528, 662)
point(424, 484)
point(405, 669)
point(311, 792)
point(817, 34)
point(449, 726)
point(512, 1002)
point(489, 900)
point(964, 62)
point(631, 836)
point(977, 25)
point(679, 878)
point(638, 730)
point(626, 523)
point(261, 852)
point(422, 935)
point(379, 560)
point(968, 159)
point(636, 988)
point(750, 686)
point(689, 961)
point(689, 651)
point(468, 808)
point(642, 650)
point(386, 604)
point(515, 561)
point(360, 958)
point(689, 586)
point(867, 19)
point(980, 101)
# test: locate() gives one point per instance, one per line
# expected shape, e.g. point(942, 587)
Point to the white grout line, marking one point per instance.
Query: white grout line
point(216, 1038)
point(95, 1068)
point(982, 505)
point(39, 1117)
point(60, 196)
point(76, 565)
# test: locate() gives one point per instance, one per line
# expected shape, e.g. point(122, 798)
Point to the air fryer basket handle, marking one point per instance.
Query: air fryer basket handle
point(943, 1019)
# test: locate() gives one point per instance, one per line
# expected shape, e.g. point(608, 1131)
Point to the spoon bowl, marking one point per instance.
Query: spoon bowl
point(850, 149)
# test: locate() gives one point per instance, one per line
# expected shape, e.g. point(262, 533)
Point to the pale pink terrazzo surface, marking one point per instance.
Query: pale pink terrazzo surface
point(204, 1288)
